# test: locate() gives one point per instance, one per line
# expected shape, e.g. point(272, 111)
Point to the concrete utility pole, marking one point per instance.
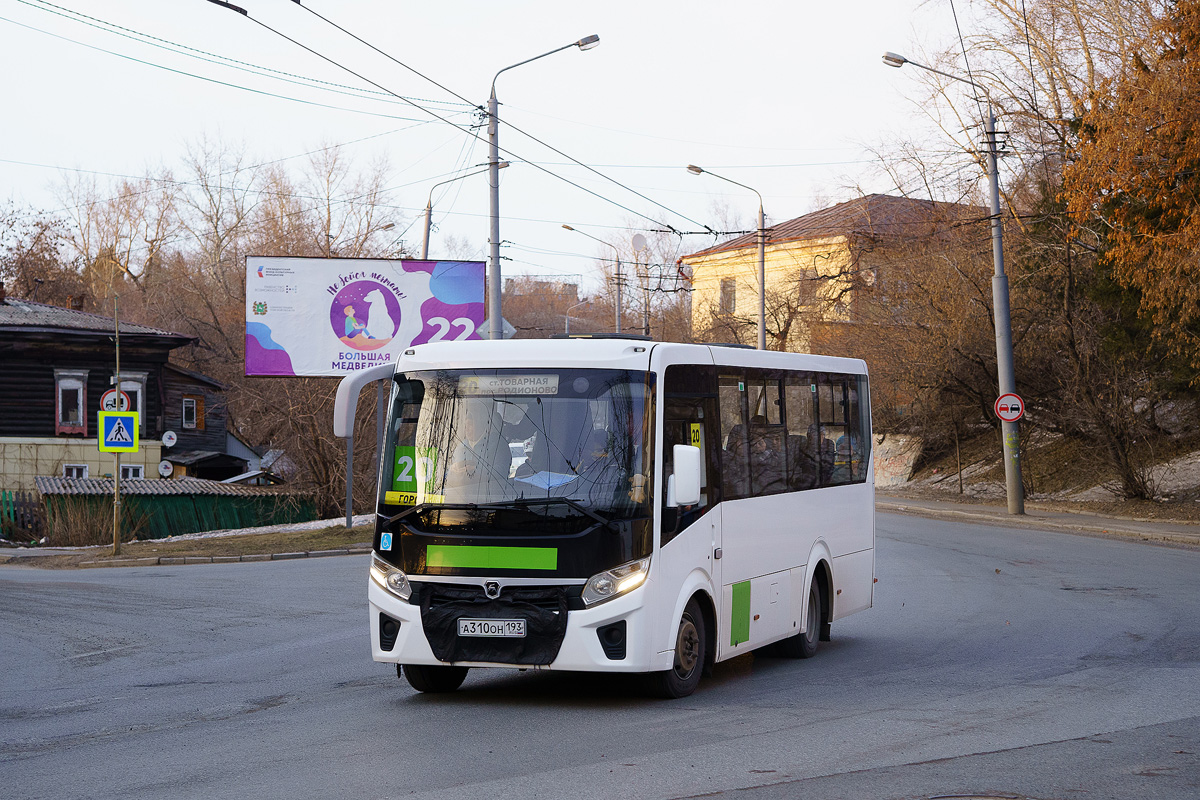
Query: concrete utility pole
point(495, 320)
point(1005, 372)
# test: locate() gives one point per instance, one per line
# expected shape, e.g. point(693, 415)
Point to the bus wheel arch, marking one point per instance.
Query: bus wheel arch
point(690, 654)
point(708, 613)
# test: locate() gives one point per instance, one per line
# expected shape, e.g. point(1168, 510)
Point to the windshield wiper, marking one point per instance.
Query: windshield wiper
point(508, 505)
point(535, 501)
point(426, 506)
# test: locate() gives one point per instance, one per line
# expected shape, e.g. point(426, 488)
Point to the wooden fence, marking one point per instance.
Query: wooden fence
point(22, 516)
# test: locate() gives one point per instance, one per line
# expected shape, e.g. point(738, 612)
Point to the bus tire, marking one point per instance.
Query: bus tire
point(433, 679)
point(804, 645)
point(690, 646)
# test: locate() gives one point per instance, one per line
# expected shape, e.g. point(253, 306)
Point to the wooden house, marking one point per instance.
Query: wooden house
point(56, 364)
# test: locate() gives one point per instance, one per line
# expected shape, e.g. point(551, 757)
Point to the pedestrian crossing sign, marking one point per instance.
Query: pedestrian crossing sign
point(118, 431)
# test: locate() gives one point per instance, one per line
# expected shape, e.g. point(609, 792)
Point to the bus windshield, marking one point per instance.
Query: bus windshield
point(492, 448)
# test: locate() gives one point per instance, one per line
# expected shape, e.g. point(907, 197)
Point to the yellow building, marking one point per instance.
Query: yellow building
point(821, 270)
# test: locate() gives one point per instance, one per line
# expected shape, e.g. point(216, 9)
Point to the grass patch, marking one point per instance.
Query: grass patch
point(332, 538)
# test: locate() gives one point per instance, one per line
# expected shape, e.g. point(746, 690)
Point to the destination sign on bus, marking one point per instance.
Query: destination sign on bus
point(473, 385)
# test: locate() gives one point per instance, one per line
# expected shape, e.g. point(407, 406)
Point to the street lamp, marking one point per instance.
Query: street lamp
point(618, 278)
point(567, 321)
point(762, 254)
point(495, 324)
point(429, 205)
point(1006, 375)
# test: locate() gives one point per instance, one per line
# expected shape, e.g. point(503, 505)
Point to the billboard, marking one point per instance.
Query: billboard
point(334, 316)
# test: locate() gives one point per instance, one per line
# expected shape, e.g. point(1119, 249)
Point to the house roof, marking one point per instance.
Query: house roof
point(196, 376)
point(50, 485)
point(875, 216)
point(26, 315)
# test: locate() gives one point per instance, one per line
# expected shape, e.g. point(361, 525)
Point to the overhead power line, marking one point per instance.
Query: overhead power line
point(511, 126)
point(213, 58)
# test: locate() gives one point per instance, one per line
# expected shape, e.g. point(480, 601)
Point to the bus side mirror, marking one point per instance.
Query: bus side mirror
point(345, 402)
point(684, 484)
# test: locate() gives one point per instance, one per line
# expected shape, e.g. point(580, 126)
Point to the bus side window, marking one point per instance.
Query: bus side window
point(801, 449)
point(735, 442)
point(689, 417)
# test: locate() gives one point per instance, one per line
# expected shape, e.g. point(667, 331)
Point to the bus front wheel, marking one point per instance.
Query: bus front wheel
point(433, 679)
point(684, 676)
point(804, 645)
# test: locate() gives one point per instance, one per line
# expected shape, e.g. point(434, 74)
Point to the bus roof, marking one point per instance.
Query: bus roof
point(610, 353)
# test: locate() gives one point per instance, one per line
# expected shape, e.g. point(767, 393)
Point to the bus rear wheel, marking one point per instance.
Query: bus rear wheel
point(690, 643)
point(433, 679)
point(804, 645)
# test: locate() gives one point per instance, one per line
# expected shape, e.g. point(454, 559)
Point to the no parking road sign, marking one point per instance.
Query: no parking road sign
point(1010, 407)
point(118, 431)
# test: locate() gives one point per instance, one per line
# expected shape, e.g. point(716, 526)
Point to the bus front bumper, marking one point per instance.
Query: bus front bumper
point(582, 647)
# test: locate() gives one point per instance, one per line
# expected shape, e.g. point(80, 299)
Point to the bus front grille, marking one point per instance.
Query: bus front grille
point(544, 610)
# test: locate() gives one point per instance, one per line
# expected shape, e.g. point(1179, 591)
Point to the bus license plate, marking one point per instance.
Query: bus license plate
point(492, 627)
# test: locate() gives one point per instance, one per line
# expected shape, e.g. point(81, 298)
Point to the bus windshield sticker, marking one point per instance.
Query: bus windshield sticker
point(483, 557)
point(547, 480)
point(385, 541)
point(412, 498)
point(416, 468)
point(475, 385)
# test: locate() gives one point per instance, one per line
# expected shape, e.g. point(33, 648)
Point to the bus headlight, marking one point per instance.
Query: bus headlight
point(390, 578)
point(615, 582)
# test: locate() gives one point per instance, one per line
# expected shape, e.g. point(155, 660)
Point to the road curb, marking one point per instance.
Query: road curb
point(175, 561)
point(1109, 527)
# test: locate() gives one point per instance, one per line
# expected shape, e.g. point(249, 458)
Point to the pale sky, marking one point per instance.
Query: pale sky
point(780, 96)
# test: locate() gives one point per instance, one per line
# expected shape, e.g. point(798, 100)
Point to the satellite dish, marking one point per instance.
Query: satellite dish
point(639, 242)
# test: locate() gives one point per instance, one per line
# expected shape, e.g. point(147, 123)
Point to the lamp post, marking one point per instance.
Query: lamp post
point(429, 204)
point(495, 324)
point(1006, 374)
point(617, 251)
point(762, 254)
point(567, 322)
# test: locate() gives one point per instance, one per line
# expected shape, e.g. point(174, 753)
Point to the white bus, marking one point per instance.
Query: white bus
point(615, 504)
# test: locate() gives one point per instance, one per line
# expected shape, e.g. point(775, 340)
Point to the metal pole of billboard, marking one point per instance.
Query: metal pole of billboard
point(429, 205)
point(350, 478)
point(380, 413)
point(495, 319)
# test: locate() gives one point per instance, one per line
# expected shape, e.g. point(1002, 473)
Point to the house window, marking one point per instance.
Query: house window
point(728, 296)
point(131, 472)
point(134, 385)
point(75, 470)
point(193, 412)
point(70, 402)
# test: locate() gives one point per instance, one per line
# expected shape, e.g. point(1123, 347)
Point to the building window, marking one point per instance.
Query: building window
point(75, 470)
point(134, 385)
point(728, 296)
point(70, 401)
point(193, 412)
point(132, 472)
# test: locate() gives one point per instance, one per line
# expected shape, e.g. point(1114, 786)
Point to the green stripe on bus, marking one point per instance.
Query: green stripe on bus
point(739, 622)
point(468, 557)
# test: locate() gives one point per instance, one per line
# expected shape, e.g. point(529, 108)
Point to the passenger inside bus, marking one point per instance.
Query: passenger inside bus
point(735, 481)
point(480, 456)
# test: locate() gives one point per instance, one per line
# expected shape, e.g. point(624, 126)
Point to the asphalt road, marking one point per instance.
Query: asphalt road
point(995, 662)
